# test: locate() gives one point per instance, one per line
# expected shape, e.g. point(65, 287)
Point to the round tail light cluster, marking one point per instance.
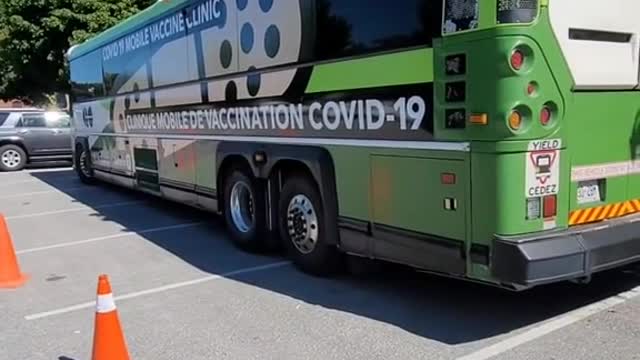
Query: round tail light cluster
point(515, 120)
point(517, 59)
point(545, 116)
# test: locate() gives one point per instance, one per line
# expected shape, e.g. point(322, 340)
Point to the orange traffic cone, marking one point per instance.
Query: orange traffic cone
point(108, 339)
point(10, 275)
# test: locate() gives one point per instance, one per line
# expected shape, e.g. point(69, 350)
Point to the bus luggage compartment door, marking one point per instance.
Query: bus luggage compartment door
point(419, 211)
point(145, 157)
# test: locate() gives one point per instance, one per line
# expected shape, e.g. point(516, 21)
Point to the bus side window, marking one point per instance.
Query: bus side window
point(86, 77)
point(355, 27)
point(126, 73)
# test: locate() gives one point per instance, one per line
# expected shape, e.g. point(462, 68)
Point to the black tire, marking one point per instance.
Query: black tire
point(82, 155)
point(322, 258)
point(13, 151)
point(249, 237)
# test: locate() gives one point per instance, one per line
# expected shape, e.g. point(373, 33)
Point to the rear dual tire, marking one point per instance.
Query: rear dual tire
point(303, 228)
point(244, 210)
point(301, 221)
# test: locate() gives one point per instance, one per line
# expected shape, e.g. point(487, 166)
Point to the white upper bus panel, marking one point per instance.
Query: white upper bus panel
point(600, 41)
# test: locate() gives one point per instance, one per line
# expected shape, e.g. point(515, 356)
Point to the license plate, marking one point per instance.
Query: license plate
point(589, 192)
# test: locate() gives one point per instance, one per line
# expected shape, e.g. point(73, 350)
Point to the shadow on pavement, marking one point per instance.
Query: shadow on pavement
point(441, 309)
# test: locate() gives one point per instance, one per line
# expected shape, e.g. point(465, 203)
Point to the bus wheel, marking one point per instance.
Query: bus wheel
point(244, 211)
point(303, 228)
point(83, 165)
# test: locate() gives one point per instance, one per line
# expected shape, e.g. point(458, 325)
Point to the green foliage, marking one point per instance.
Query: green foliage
point(36, 35)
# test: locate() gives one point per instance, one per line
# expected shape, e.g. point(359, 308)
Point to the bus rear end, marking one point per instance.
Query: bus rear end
point(548, 94)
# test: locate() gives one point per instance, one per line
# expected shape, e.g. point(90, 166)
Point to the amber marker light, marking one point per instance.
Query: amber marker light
point(479, 119)
point(515, 120)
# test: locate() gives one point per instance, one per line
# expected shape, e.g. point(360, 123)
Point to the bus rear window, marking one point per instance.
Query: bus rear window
point(517, 11)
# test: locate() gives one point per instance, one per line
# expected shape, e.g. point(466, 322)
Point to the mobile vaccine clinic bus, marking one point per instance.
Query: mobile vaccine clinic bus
point(489, 140)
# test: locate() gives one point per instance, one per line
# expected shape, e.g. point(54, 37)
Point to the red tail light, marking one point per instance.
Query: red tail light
point(448, 178)
point(517, 59)
point(545, 116)
point(549, 206)
point(531, 89)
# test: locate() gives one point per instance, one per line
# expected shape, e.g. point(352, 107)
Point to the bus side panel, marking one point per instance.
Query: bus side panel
point(393, 205)
point(100, 147)
point(206, 174)
point(177, 170)
point(122, 159)
point(407, 193)
point(145, 158)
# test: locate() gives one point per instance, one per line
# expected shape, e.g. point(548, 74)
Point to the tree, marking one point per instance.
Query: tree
point(36, 35)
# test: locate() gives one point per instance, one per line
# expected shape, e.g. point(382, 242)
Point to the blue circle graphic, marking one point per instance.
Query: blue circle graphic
point(242, 4)
point(272, 41)
point(226, 54)
point(246, 38)
point(253, 82)
point(266, 5)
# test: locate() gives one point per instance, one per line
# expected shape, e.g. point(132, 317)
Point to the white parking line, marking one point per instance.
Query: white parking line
point(90, 304)
point(44, 192)
point(54, 169)
point(550, 326)
point(109, 237)
point(33, 171)
point(77, 209)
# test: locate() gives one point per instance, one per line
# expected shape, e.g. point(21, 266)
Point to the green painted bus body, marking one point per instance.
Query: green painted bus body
point(402, 188)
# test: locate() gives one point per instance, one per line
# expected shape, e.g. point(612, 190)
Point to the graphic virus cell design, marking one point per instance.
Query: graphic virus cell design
point(269, 34)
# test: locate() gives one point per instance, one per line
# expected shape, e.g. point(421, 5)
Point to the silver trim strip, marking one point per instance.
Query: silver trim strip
point(414, 145)
point(146, 170)
point(604, 171)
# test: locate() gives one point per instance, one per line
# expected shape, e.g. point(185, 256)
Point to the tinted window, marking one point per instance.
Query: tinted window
point(60, 122)
point(517, 11)
point(33, 120)
point(460, 15)
point(352, 27)
point(122, 69)
point(86, 76)
point(3, 117)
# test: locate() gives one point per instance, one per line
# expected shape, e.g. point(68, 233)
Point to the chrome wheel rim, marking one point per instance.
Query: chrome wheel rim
point(302, 224)
point(84, 166)
point(241, 205)
point(11, 159)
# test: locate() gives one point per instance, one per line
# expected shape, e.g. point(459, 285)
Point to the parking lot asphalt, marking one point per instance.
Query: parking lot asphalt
point(183, 291)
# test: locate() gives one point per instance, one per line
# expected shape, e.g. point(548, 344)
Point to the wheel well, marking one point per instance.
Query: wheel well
point(285, 169)
point(230, 163)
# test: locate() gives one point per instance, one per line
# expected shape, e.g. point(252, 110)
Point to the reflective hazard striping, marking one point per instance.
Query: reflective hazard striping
point(611, 211)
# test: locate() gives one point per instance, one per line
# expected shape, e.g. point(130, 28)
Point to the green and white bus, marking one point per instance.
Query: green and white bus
point(489, 140)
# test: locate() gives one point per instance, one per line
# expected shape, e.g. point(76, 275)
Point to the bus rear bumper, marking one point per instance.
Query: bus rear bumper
point(527, 261)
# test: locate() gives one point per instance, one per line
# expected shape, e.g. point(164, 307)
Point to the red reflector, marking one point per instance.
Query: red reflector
point(545, 116)
point(448, 179)
point(517, 59)
point(549, 206)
